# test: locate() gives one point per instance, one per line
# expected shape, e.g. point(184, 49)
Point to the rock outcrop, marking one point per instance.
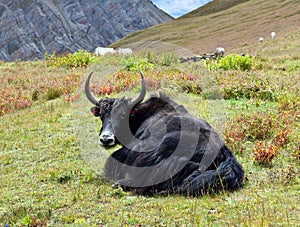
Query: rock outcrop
point(30, 28)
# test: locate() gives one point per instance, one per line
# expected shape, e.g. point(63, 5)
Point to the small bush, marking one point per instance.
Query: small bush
point(237, 85)
point(136, 64)
point(288, 102)
point(264, 153)
point(167, 59)
point(53, 93)
point(232, 62)
point(151, 56)
point(80, 58)
point(249, 128)
point(256, 127)
point(281, 139)
point(235, 140)
point(35, 95)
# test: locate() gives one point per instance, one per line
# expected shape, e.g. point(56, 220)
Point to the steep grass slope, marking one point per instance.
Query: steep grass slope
point(235, 25)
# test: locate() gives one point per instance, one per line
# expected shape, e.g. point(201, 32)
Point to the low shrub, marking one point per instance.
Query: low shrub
point(53, 93)
point(167, 59)
point(12, 99)
point(289, 102)
point(270, 134)
point(124, 79)
point(236, 85)
point(232, 62)
point(21, 90)
point(136, 64)
point(248, 128)
point(81, 58)
point(258, 126)
point(264, 153)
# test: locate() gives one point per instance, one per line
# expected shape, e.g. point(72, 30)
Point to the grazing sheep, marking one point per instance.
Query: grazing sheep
point(103, 51)
point(220, 51)
point(273, 34)
point(125, 51)
point(261, 39)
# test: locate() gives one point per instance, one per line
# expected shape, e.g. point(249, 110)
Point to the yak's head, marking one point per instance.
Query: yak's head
point(114, 114)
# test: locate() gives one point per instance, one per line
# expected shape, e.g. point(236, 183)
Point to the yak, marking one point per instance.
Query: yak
point(164, 149)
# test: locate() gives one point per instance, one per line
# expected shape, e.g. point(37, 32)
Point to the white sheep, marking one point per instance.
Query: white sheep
point(103, 51)
point(261, 39)
point(273, 34)
point(220, 51)
point(125, 51)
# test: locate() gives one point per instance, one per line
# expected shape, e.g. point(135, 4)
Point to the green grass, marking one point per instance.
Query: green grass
point(50, 163)
point(43, 176)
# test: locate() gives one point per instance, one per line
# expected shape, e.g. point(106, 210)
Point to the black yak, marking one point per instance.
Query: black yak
point(165, 150)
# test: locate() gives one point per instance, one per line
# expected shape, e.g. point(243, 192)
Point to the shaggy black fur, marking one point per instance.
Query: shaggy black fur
point(193, 176)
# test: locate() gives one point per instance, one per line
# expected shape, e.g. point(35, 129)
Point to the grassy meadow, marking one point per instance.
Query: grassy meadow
point(47, 177)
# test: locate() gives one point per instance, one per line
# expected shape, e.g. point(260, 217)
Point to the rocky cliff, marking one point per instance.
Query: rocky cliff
point(29, 28)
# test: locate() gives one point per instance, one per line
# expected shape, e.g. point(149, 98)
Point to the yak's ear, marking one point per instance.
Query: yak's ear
point(96, 111)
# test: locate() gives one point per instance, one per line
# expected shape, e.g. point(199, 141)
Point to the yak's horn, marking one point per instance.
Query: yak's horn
point(142, 93)
point(88, 92)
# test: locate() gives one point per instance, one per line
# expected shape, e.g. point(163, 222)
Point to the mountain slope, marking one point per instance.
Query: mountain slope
point(30, 28)
point(236, 27)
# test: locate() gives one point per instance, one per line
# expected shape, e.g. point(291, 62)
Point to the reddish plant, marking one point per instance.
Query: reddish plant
point(281, 139)
point(235, 140)
point(264, 153)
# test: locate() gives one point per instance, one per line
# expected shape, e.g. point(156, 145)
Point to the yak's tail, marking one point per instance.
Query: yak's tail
point(228, 176)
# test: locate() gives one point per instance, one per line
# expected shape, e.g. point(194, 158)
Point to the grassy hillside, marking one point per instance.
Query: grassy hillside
point(235, 25)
